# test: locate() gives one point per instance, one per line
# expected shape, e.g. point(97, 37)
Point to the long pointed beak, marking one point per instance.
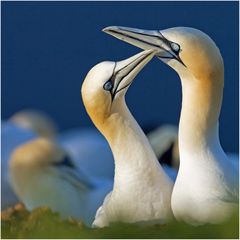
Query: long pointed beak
point(145, 39)
point(125, 71)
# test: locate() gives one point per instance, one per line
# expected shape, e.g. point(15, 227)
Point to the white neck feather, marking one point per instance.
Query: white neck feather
point(198, 127)
point(135, 161)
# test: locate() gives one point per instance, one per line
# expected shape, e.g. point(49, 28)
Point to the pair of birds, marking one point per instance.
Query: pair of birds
point(206, 188)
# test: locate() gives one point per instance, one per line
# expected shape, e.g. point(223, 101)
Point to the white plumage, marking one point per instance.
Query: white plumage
point(41, 174)
point(142, 190)
point(207, 185)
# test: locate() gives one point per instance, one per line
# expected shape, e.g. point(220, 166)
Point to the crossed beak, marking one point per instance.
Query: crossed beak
point(146, 39)
point(126, 70)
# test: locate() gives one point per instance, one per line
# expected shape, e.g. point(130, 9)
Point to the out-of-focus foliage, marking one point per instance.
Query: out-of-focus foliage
point(17, 222)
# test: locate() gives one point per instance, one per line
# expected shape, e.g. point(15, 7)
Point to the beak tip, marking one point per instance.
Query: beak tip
point(111, 29)
point(105, 29)
point(108, 29)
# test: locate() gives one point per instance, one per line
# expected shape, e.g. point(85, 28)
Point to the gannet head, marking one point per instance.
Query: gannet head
point(106, 84)
point(187, 50)
point(39, 165)
point(36, 154)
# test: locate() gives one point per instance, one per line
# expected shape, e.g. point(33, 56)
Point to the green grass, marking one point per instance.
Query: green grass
point(43, 223)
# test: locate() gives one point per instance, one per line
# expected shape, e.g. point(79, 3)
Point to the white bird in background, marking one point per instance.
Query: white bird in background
point(79, 142)
point(23, 126)
point(207, 185)
point(42, 174)
point(11, 137)
point(164, 141)
point(83, 145)
point(142, 190)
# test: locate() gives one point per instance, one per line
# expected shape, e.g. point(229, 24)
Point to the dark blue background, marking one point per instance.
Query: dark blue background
point(48, 48)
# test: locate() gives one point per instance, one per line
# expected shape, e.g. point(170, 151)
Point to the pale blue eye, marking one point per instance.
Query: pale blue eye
point(108, 85)
point(175, 47)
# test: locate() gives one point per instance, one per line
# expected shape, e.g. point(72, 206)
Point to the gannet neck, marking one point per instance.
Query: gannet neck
point(141, 191)
point(134, 158)
point(201, 105)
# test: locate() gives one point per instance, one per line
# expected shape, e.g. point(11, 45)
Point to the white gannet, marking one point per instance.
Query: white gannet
point(42, 174)
point(207, 185)
point(79, 142)
point(23, 126)
point(142, 190)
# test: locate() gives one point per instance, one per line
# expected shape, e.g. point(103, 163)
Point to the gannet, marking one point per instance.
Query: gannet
point(206, 189)
point(78, 142)
point(42, 174)
point(21, 127)
point(141, 190)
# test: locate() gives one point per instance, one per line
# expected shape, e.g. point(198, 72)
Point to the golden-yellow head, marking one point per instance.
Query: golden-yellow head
point(187, 50)
point(104, 88)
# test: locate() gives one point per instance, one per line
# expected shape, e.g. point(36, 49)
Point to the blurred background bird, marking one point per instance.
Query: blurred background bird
point(22, 127)
point(42, 174)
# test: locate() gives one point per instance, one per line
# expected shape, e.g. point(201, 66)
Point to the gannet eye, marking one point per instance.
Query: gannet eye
point(175, 47)
point(108, 85)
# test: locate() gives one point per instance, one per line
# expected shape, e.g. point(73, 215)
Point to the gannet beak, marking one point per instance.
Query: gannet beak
point(147, 39)
point(125, 71)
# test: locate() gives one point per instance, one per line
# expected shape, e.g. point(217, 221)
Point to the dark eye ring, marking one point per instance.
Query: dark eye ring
point(108, 85)
point(175, 47)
